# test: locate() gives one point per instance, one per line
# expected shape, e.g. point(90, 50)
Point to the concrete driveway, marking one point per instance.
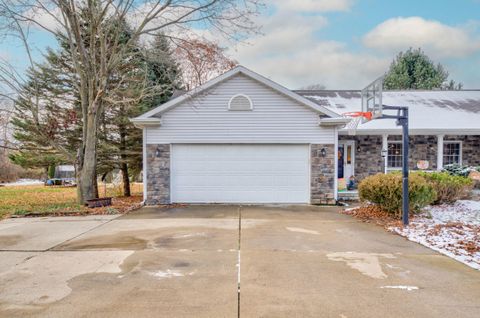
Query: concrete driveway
point(225, 261)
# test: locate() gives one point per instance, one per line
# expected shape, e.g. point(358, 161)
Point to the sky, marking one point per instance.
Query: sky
point(344, 44)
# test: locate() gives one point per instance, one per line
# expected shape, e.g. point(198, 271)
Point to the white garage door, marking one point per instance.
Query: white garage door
point(240, 173)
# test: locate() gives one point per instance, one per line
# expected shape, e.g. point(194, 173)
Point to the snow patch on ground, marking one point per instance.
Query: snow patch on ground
point(451, 229)
point(301, 230)
point(190, 235)
point(167, 274)
point(23, 182)
point(408, 288)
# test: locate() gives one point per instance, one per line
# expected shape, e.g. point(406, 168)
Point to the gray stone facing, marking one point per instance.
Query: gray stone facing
point(368, 155)
point(470, 148)
point(423, 148)
point(158, 174)
point(322, 174)
point(368, 159)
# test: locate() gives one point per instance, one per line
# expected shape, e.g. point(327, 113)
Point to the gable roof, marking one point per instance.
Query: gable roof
point(146, 117)
point(434, 112)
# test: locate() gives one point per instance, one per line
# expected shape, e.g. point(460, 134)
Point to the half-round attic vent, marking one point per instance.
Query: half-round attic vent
point(240, 102)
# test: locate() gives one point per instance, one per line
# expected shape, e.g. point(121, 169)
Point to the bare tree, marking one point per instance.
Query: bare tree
point(200, 61)
point(312, 87)
point(8, 171)
point(96, 57)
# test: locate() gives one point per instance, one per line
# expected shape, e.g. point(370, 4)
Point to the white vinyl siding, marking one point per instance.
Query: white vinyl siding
point(240, 173)
point(275, 118)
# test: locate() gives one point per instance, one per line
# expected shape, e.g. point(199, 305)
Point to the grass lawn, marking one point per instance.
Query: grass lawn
point(42, 200)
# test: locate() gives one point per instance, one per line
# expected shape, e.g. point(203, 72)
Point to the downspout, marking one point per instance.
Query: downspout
point(144, 164)
point(335, 162)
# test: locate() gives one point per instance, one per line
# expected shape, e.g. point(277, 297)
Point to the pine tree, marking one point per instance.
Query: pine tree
point(157, 76)
point(143, 80)
point(413, 69)
point(52, 82)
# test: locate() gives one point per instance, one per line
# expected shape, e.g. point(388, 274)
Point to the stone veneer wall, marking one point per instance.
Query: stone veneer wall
point(368, 159)
point(158, 174)
point(470, 148)
point(322, 175)
point(421, 147)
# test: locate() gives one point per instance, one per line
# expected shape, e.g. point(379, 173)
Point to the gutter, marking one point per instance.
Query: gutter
point(334, 121)
point(146, 122)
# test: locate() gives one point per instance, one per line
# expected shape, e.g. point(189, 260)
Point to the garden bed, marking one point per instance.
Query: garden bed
point(450, 229)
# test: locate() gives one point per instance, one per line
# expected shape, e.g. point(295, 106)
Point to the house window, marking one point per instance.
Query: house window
point(394, 155)
point(452, 152)
point(240, 102)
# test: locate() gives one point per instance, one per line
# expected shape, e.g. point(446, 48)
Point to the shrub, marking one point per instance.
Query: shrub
point(385, 190)
point(449, 188)
point(458, 170)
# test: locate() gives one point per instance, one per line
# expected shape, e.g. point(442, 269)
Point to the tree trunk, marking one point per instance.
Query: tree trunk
point(126, 180)
point(87, 161)
point(123, 156)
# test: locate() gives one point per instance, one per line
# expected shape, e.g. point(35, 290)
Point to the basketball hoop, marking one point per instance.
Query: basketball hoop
point(357, 117)
point(366, 115)
point(372, 98)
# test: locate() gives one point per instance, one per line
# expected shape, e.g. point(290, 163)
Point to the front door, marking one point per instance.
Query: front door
point(346, 159)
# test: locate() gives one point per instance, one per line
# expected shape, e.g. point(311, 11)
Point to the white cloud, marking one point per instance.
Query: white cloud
point(50, 19)
point(324, 62)
point(314, 5)
point(435, 38)
point(291, 53)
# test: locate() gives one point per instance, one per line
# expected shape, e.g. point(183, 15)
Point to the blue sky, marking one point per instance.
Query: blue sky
point(344, 44)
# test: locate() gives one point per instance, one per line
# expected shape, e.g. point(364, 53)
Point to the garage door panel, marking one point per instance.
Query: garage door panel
point(239, 182)
point(240, 173)
point(231, 196)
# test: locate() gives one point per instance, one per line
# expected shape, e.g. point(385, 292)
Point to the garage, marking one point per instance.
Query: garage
point(225, 173)
point(239, 138)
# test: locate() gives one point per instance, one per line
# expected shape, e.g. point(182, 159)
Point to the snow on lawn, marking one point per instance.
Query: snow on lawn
point(451, 229)
point(23, 182)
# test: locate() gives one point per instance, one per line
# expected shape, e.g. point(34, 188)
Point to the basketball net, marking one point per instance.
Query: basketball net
point(357, 118)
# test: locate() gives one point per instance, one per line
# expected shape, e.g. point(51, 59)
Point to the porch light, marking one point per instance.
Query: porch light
point(323, 152)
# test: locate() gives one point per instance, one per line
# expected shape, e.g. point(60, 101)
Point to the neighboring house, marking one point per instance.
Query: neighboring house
point(64, 175)
point(242, 138)
point(65, 172)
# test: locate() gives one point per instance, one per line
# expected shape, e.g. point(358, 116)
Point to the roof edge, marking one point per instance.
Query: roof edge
point(238, 69)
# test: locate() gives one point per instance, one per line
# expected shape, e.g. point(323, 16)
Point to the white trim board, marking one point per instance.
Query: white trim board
point(412, 132)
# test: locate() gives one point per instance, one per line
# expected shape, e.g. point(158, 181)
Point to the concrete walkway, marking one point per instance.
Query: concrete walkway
point(225, 261)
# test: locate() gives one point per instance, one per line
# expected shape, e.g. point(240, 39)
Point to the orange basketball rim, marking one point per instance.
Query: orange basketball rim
point(367, 115)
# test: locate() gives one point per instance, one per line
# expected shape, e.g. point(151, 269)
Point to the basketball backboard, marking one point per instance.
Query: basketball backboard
point(372, 98)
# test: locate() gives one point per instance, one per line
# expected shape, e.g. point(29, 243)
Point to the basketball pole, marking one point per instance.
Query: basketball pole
point(402, 120)
point(372, 103)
